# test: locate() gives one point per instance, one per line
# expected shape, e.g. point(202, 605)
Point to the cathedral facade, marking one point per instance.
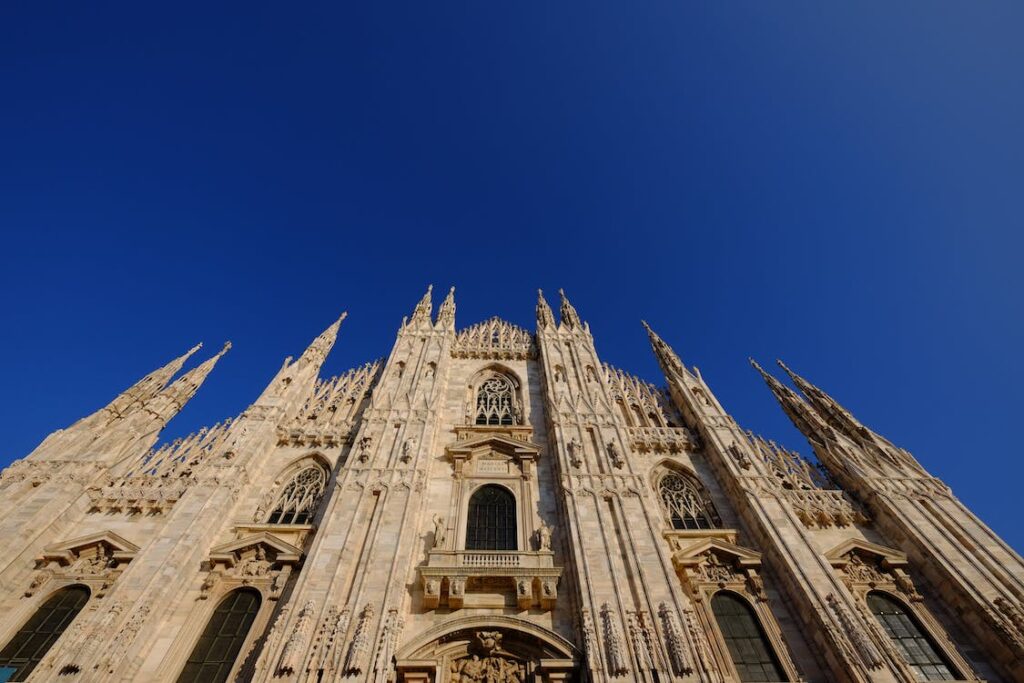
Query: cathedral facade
point(492, 505)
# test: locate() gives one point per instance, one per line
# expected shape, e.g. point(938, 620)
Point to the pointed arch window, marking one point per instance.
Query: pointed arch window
point(910, 639)
point(687, 506)
point(214, 655)
point(33, 640)
point(300, 498)
point(495, 402)
point(748, 647)
point(491, 519)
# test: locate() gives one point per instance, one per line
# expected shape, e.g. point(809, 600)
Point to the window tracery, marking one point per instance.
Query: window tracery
point(496, 402)
point(686, 505)
point(300, 498)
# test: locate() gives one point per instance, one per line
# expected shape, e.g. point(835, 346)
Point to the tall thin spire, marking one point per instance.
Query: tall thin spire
point(668, 359)
point(568, 314)
point(149, 386)
point(317, 351)
point(545, 318)
point(421, 314)
point(169, 401)
point(801, 414)
point(827, 406)
point(446, 311)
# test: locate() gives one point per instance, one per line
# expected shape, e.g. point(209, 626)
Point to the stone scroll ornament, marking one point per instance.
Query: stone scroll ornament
point(613, 644)
point(674, 641)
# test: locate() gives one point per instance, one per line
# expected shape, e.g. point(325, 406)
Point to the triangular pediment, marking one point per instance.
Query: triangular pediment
point(495, 443)
point(66, 552)
point(734, 554)
point(881, 553)
point(230, 552)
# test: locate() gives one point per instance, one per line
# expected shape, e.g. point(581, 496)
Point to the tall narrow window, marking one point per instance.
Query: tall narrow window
point(685, 504)
point(495, 402)
point(908, 637)
point(491, 522)
point(300, 498)
point(214, 655)
point(40, 632)
point(750, 651)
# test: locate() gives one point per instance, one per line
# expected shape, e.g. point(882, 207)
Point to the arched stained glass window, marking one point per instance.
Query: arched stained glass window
point(908, 637)
point(214, 655)
point(491, 522)
point(749, 649)
point(495, 402)
point(686, 505)
point(300, 498)
point(33, 640)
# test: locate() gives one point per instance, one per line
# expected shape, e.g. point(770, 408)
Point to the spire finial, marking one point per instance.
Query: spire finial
point(545, 318)
point(446, 311)
point(568, 314)
point(423, 309)
point(668, 359)
point(317, 351)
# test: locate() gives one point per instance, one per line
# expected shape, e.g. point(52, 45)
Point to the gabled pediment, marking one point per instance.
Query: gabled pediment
point(273, 547)
point(494, 443)
point(733, 554)
point(107, 542)
point(888, 557)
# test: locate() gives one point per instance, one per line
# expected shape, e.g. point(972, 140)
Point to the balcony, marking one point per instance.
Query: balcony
point(490, 578)
point(661, 439)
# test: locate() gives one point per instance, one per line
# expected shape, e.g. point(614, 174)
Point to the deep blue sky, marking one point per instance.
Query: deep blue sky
point(836, 184)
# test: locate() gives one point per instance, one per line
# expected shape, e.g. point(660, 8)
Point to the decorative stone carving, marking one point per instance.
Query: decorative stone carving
point(386, 646)
point(855, 633)
point(575, 449)
point(295, 648)
point(701, 646)
point(359, 649)
point(363, 448)
point(615, 456)
point(639, 640)
point(439, 531)
point(613, 645)
point(408, 449)
point(544, 537)
point(590, 641)
point(114, 654)
point(674, 641)
point(494, 338)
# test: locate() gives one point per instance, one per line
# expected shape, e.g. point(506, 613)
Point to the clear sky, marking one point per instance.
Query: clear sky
point(835, 184)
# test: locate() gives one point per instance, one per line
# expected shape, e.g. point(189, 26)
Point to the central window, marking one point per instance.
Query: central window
point(495, 402)
point(491, 522)
point(686, 505)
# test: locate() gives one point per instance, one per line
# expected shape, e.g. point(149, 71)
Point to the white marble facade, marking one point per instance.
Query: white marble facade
point(492, 505)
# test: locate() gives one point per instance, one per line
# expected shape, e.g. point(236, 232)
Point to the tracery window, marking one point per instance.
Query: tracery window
point(215, 653)
point(748, 647)
point(299, 500)
point(33, 640)
point(686, 505)
point(495, 402)
point(908, 637)
point(491, 519)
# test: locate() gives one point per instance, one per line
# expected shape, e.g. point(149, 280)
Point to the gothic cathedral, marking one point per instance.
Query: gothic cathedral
point(492, 505)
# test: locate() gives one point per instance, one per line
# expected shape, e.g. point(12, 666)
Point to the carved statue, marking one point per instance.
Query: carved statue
point(489, 640)
point(575, 452)
point(613, 454)
point(544, 537)
point(408, 448)
point(439, 531)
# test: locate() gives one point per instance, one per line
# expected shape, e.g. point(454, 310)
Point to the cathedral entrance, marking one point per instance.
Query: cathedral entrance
point(488, 653)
